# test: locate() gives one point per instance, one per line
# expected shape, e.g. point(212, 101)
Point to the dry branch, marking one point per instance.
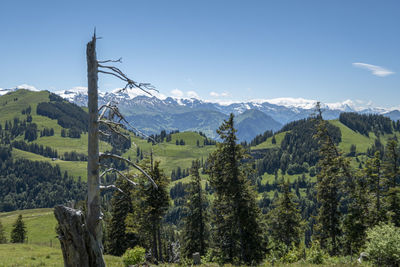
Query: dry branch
point(114, 156)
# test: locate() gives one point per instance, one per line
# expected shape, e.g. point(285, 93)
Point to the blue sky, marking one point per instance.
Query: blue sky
point(227, 50)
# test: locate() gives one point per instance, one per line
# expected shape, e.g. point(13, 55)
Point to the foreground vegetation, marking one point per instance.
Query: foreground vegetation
point(316, 192)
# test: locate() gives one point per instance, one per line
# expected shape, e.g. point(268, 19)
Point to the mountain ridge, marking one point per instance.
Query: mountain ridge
point(154, 113)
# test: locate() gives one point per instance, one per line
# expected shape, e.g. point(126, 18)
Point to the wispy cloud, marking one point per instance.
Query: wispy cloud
point(177, 93)
point(180, 94)
point(375, 70)
point(223, 94)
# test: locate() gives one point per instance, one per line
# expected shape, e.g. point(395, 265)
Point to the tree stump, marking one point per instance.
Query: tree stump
point(79, 247)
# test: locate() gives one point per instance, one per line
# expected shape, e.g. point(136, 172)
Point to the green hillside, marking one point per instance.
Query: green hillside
point(349, 137)
point(170, 154)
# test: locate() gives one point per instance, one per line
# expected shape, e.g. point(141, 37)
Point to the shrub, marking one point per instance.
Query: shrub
point(383, 245)
point(134, 256)
point(295, 254)
point(315, 254)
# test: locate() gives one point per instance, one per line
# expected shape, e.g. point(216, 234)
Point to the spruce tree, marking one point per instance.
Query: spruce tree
point(18, 233)
point(237, 232)
point(195, 228)
point(149, 207)
point(332, 170)
point(3, 238)
point(121, 206)
point(373, 173)
point(392, 173)
point(284, 220)
point(356, 220)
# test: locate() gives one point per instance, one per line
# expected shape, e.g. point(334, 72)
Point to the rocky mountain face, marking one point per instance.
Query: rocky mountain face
point(151, 114)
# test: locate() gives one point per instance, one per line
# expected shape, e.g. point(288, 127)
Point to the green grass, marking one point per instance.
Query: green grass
point(350, 137)
point(35, 255)
point(40, 225)
point(74, 168)
point(171, 155)
point(268, 143)
point(9, 109)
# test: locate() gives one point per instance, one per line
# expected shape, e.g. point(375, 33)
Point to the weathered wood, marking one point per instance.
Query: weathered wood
point(79, 246)
point(80, 237)
point(93, 181)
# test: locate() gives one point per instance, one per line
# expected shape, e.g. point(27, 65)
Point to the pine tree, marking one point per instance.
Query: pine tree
point(195, 229)
point(284, 220)
point(237, 232)
point(121, 206)
point(332, 169)
point(3, 238)
point(18, 233)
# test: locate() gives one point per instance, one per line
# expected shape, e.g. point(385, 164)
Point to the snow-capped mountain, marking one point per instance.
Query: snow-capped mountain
point(154, 113)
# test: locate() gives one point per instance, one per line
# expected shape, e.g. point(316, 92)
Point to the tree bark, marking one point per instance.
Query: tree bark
point(93, 180)
point(79, 247)
point(80, 238)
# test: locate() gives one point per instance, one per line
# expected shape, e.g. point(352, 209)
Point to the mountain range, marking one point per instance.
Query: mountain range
point(153, 113)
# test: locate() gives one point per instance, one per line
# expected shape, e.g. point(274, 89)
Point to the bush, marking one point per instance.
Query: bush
point(315, 254)
point(134, 256)
point(383, 245)
point(295, 254)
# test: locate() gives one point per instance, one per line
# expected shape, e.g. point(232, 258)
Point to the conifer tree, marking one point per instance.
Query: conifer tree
point(373, 173)
point(237, 232)
point(332, 169)
point(18, 233)
point(195, 228)
point(121, 206)
point(356, 220)
point(392, 174)
point(284, 220)
point(3, 238)
point(149, 206)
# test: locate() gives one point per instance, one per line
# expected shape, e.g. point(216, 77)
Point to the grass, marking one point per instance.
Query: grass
point(268, 143)
point(40, 225)
point(171, 155)
point(74, 168)
point(35, 255)
point(350, 137)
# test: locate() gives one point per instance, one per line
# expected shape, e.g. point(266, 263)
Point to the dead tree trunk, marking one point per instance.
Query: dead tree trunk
point(79, 247)
point(93, 179)
point(81, 237)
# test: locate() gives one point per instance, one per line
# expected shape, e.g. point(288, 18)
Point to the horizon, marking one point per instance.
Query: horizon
point(289, 102)
point(330, 52)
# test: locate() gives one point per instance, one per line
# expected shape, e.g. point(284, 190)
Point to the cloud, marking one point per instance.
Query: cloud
point(376, 70)
point(27, 86)
point(177, 93)
point(214, 94)
point(223, 94)
point(192, 94)
point(180, 94)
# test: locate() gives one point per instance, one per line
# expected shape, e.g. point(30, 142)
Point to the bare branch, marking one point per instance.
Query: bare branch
point(103, 133)
point(110, 60)
point(120, 173)
point(111, 186)
point(109, 155)
point(145, 87)
point(110, 123)
point(104, 111)
point(106, 72)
